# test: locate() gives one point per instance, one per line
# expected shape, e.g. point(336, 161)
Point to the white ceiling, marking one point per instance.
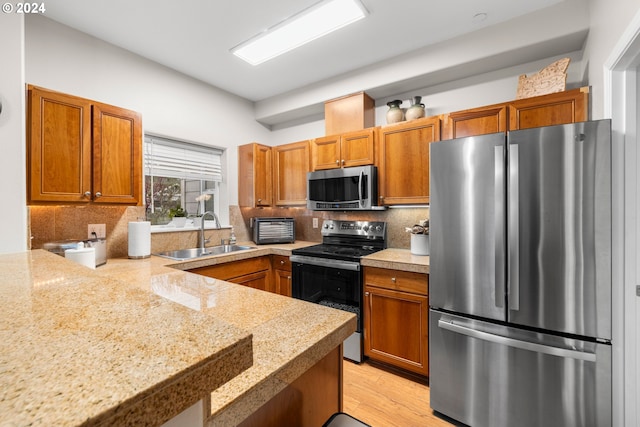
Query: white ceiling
point(194, 36)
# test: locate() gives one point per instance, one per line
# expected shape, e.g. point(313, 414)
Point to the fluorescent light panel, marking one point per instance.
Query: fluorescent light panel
point(308, 25)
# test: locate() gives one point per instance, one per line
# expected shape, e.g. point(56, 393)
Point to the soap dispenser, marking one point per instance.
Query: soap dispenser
point(232, 237)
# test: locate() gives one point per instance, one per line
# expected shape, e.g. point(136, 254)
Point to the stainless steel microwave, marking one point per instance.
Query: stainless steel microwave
point(354, 188)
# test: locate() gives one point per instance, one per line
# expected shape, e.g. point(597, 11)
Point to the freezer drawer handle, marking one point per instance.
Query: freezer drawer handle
point(523, 345)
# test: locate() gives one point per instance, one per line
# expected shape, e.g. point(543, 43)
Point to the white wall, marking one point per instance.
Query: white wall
point(63, 59)
point(483, 89)
point(608, 20)
point(13, 227)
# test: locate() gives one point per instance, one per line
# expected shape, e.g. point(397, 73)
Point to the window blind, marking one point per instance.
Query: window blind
point(177, 159)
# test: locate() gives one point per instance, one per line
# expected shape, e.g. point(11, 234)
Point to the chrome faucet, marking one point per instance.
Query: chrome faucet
point(204, 241)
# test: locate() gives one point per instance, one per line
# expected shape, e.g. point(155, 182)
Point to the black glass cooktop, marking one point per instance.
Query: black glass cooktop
point(341, 252)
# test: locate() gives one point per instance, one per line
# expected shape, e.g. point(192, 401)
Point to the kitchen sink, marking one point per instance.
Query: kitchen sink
point(184, 254)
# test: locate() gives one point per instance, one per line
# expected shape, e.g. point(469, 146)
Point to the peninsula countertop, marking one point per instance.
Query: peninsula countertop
point(106, 346)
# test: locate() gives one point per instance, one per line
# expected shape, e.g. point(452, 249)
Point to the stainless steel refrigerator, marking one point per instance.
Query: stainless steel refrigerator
point(520, 277)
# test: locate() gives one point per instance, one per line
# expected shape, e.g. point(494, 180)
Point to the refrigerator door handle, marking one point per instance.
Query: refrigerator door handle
point(514, 237)
point(498, 225)
point(511, 342)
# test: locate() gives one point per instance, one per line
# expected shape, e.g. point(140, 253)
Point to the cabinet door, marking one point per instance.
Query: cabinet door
point(560, 108)
point(476, 121)
point(325, 152)
point(256, 176)
point(281, 266)
point(117, 155)
point(357, 148)
point(396, 328)
point(403, 163)
point(291, 164)
point(59, 147)
point(282, 279)
point(258, 280)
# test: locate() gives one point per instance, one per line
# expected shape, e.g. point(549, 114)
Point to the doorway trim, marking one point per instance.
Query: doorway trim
point(622, 98)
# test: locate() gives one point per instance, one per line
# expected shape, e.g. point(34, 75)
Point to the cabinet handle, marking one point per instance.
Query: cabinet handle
point(87, 194)
point(98, 194)
point(366, 294)
point(393, 279)
point(337, 162)
point(259, 200)
point(342, 162)
point(281, 262)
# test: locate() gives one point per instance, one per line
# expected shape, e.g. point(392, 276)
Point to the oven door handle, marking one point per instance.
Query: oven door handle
point(323, 262)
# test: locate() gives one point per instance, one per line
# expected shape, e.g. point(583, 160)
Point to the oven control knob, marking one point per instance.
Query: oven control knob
point(365, 228)
point(378, 228)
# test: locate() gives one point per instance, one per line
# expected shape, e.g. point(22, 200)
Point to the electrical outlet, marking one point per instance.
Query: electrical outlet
point(99, 229)
point(315, 222)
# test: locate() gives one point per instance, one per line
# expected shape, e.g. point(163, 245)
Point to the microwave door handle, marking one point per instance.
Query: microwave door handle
point(360, 181)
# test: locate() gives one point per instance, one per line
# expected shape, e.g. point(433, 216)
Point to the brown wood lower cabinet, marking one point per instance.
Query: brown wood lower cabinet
point(308, 401)
point(281, 275)
point(396, 311)
point(252, 272)
point(267, 273)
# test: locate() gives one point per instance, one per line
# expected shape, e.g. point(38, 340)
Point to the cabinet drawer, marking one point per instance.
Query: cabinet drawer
point(281, 262)
point(407, 281)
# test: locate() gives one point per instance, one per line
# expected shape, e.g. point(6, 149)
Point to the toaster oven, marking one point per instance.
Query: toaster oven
point(274, 230)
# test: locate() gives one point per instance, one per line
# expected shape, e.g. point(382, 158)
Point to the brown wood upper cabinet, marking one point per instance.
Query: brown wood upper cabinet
point(546, 110)
point(255, 184)
point(403, 160)
point(291, 164)
point(344, 150)
point(476, 121)
point(81, 150)
point(560, 108)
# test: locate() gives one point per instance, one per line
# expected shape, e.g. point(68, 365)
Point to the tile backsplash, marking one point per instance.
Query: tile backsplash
point(53, 223)
point(396, 219)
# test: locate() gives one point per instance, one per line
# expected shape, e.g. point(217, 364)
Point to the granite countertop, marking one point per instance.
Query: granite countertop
point(398, 259)
point(138, 341)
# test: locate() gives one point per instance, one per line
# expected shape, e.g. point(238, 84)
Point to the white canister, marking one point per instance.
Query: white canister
point(139, 239)
point(420, 244)
point(81, 255)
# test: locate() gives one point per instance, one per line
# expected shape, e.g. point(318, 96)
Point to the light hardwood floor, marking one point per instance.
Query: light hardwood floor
point(382, 398)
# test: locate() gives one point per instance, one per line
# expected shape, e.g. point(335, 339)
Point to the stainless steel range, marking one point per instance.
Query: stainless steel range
point(330, 273)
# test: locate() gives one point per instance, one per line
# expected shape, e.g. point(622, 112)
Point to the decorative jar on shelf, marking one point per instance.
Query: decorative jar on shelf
point(395, 113)
point(416, 110)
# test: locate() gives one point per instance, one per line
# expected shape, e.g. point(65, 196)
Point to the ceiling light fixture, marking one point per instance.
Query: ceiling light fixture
point(316, 21)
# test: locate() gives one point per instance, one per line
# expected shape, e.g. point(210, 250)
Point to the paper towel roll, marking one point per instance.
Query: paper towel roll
point(82, 255)
point(139, 239)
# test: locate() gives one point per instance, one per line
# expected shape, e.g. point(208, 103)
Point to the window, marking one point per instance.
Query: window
point(180, 175)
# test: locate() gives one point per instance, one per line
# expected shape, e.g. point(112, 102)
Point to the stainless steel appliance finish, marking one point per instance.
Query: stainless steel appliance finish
point(330, 273)
point(99, 243)
point(354, 188)
point(485, 374)
point(274, 230)
point(520, 231)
